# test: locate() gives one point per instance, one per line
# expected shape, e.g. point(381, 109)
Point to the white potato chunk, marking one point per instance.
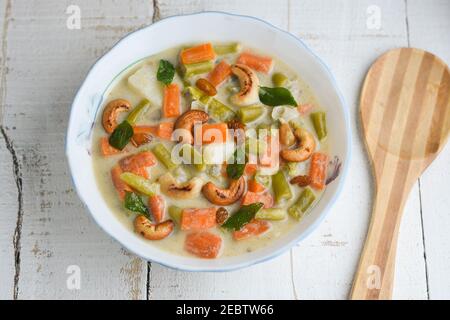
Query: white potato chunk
point(144, 82)
point(217, 153)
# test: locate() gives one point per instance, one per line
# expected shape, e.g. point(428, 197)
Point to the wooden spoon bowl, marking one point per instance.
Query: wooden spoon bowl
point(405, 115)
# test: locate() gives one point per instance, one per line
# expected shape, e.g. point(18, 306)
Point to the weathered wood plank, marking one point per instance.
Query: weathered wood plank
point(166, 283)
point(429, 25)
point(340, 32)
point(273, 11)
point(9, 197)
point(269, 280)
point(46, 63)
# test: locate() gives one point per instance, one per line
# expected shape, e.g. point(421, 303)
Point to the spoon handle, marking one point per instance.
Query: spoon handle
point(375, 274)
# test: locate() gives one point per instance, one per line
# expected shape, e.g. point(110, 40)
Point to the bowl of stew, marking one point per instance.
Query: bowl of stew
point(208, 142)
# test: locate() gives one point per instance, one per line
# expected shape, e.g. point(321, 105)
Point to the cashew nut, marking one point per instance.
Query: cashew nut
point(152, 231)
point(186, 121)
point(224, 197)
point(249, 83)
point(287, 137)
point(173, 189)
point(111, 112)
point(306, 147)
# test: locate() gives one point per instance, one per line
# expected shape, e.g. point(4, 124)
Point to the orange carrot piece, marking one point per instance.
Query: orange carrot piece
point(214, 132)
point(255, 186)
point(256, 62)
point(304, 109)
point(153, 130)
point(253, 228)
point(106, 149)
point(171, 103)
point(121, 186)
point(198, 219)
point(138, 163)
point(200, 53)
point(223, 170)
point(220, 73)
point(203, 244)
point(156, 205)
point(270, 156)
point(139, 139)
point(250, 169)
point(318, 170)
point(253, 197)
point(165, 130)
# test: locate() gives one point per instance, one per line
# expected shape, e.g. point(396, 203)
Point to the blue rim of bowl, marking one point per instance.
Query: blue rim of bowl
point(308, 230)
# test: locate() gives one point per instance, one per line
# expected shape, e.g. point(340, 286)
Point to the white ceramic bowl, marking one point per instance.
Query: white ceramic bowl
point(175, 31)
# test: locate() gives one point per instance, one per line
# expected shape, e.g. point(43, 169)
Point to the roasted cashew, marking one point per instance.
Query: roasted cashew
point(249, 86)
point(111, 111)
point(224, 197)
point(186, 121)
point(306, 147)
point(152, 231)
point(173, 189)
point(287, 137)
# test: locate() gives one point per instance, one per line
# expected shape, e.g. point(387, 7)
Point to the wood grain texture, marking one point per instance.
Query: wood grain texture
point(341, 37)
point(429, 27)
point(9, 203)
point(405, 114)
point(46, 63)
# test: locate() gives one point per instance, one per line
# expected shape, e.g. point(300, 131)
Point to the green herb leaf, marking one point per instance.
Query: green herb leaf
point(166, 72)
point(242, 216)
point(235, 169)
point(134, 203)
point(121, 135)
point(277, 96)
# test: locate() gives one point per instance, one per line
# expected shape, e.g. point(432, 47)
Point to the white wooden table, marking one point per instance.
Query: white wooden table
point(46, 235)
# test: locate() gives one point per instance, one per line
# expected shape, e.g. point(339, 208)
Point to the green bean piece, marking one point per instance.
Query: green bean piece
point(197, 68)
point(263, 126)
point(139, 183)
point(271, 214)
point(227, 48)
point(279, 79)
point(175, 213)
point(138, 111)
point(219, 111)
point(193, 157)
point(194, 93)
point(255, 146)
point(205, 99)
point(320, 124)
point(281, 187)
point(291, 168)
point(164, 155)
point(249, 114)
point(303, 203)
point(198, 166)
point(267, 126)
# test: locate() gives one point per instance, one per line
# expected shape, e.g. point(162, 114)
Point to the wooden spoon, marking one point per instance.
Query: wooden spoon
point(405, 115)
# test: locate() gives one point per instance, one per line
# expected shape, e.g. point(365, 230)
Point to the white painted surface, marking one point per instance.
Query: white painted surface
point(45, 63)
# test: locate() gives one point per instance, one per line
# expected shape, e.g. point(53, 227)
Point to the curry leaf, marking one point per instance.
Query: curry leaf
point(236, 167)
point(121, 135)
point(277, 96)
point(166, 72)
point(134, 203)
point(243, 216)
